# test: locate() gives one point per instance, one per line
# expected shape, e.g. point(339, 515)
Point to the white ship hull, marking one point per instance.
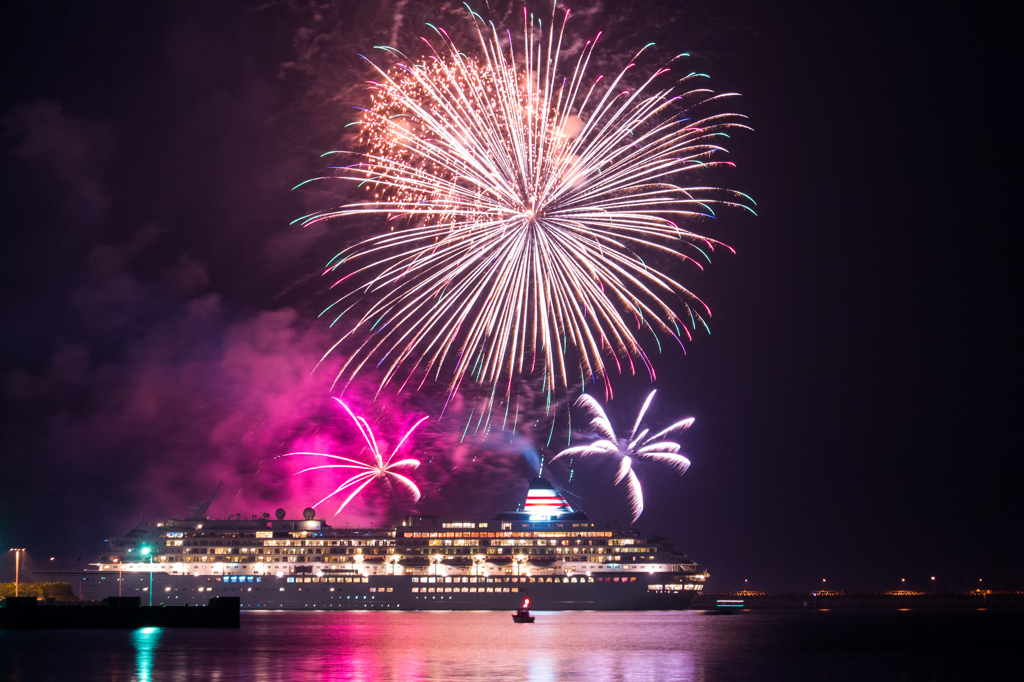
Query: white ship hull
point(625, 591)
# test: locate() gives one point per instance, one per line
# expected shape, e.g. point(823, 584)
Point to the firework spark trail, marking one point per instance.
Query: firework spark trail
point(636, 445)
point(379, 469)
point(520, 201)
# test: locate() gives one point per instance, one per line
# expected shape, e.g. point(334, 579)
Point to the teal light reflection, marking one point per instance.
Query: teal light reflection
point(145, 641)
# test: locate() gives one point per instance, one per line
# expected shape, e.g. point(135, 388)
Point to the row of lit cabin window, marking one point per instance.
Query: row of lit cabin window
point(517, 534)
point(297, 545)
point(316, 558)
point(484, 524)
point(282, 543)
point(566, 552)
point(526, 543)
point(473, 580)
point(303, 539)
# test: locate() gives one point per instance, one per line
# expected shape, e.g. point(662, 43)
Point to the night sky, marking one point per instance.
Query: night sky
point(857, 401)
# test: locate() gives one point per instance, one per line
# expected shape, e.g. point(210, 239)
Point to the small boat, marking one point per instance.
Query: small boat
point(522, 614)
point(724, 606)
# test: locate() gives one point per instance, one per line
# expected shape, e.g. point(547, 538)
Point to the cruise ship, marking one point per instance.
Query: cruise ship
point(546, 551)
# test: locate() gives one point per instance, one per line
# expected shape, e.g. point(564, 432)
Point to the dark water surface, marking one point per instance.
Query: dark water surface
point(688, 645)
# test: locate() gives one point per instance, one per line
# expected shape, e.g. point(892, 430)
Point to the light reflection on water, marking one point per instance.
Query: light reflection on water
point(487, 645)
point(597, 646)
point(145, 641)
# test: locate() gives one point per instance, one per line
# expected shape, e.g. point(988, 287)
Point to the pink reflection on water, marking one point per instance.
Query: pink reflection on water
point(372, 646)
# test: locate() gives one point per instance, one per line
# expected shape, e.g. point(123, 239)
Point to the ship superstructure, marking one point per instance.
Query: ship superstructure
point(557, 556)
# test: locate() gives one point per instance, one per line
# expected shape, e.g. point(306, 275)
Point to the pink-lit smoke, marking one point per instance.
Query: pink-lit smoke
point(386, 471)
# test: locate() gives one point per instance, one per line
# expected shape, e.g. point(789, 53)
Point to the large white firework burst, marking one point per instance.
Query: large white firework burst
point(531, 209)
point(640, 445)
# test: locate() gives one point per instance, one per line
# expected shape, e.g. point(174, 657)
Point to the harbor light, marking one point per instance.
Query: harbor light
point(17, 557)
point(148, 551)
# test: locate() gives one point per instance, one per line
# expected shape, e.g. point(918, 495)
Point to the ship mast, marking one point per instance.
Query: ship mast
point(198, 512)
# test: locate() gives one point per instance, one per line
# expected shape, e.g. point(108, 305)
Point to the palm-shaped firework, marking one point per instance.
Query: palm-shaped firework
point(636, 444)
point(367, 471)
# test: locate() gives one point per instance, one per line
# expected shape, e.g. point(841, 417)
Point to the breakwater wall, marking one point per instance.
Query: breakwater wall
point(864, 600)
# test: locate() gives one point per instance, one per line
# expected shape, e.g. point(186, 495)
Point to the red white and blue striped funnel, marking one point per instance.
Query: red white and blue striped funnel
point(544, 500)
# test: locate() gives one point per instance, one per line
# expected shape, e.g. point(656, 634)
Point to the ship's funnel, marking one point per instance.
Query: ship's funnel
point(544, 500)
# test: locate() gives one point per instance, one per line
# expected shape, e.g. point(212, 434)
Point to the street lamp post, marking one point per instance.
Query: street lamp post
point(17, 556)
point(148, 551)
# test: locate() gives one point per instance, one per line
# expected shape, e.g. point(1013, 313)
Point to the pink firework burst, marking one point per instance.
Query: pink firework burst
point(367, 472)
